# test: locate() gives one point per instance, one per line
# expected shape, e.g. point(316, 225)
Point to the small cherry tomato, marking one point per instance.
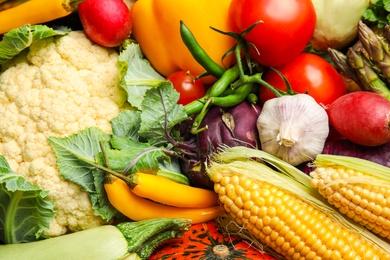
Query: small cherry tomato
point(189, 88)
point(307, 73)
point(286, 27)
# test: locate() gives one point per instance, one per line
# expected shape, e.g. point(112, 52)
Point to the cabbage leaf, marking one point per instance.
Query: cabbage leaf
point(25, 211)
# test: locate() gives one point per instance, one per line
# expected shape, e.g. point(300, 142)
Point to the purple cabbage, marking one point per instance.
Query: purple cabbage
point(235, 126)
point(336, 144)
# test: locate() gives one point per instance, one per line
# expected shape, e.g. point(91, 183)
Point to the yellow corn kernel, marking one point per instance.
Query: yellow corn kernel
point(367, 204)
point(289, 225)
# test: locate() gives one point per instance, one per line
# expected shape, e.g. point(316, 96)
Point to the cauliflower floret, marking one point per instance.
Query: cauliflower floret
point(62, 85)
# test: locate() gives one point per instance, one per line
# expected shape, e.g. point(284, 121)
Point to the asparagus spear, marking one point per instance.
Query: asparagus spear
point(377, 48)
point(369, 79)
point(340, 61)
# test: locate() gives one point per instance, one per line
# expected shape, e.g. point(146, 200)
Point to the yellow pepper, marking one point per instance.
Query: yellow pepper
point(35, 12)
point(156, 28)
point(137, 208)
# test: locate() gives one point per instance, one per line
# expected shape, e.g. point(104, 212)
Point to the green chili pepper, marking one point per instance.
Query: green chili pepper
point(252, 98)
point(238, 96)
point(224, 81)
point(198, 52)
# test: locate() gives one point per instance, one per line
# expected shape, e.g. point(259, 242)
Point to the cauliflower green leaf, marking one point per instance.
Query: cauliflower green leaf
point(25, 211)
point(77, 163)
point(18, 39)
point(136, 73)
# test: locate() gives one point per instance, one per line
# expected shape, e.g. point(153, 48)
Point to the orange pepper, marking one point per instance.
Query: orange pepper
point(163, 190)
point(137, 208)
point(156, 28)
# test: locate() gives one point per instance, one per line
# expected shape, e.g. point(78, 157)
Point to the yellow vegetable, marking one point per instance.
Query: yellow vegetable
point(165, 191)
point(156, 27)
point(358, 188)
point(137, 208)
point(283, 213)
point(35, 12)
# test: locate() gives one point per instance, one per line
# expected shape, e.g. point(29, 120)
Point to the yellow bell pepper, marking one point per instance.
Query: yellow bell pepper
point(34, 12)
point(156, 28)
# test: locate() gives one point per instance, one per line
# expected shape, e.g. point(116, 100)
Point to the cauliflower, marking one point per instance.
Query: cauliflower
point(60, 86)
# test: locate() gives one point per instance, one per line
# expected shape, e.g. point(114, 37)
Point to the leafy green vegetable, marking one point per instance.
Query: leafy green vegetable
point(136, 73)
point(127, 124)
point(25, 211)
point(160, 113)
point(16, 40)
point(378, 13)
point(140, 141)
point(131, 156)
point(76, 162)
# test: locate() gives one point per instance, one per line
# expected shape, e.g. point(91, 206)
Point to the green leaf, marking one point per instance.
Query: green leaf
point(126, 124)
point(25, 211)
point(132, 156)
point(136, 73)
point(160, 113)
point(378, 13)
point(16, 40)
point(76, 163)
point(76, 155)
point(386, 5)
point(171, 170)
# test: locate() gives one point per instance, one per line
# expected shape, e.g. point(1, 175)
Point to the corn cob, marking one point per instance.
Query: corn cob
point(284, 213)
point(351, 186)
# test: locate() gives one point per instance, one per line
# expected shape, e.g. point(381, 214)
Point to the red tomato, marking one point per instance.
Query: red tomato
point(106, 22)
point(286, 28)
point(307, 73)
point(189, 88)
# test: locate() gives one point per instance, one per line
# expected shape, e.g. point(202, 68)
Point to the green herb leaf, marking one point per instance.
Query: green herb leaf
point(136, 73)
point(16, 40)
point(76, 162)
point(25, 211)
point(160, 113)
point(378, 13)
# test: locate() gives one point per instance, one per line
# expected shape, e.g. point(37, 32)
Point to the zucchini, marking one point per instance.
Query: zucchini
point(126, 240)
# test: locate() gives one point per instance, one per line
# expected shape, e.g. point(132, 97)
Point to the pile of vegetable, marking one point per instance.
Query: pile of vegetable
point(136, 127)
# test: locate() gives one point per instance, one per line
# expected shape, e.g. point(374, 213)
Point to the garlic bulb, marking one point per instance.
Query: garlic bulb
point(293, 128)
